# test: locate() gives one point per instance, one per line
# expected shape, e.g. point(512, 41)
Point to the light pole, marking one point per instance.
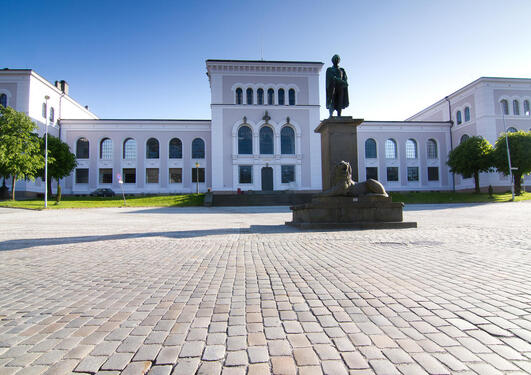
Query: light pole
point(508, 152)
point(46, 155)
point(197, 177)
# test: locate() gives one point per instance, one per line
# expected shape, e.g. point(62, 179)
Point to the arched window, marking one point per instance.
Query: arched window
point(129, 151)
point(239, 96)
point(245, 140)
point(287, 141)
point(526, 107)
point(3, 100)
point(432, 149)
point(370, 149)
point(106, 148)
point(516, 108)
point(44, 110)
point(270, 97)
point(504, 106)
point(176, 149)
point(467, 114)
point(82, 148)
point(281, 98)
point(411, 149)
point(390, 149)
point(260, 96)
point(152, 149)
point(198, 149)
point(291, 96)
point(459, 118)
point(249, 96)
point(511, 130)
point(52, 115)
point(266, 140)
point(464, 138)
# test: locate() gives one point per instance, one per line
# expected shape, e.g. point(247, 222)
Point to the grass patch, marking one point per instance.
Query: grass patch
point(117, 201)
point(451, 197)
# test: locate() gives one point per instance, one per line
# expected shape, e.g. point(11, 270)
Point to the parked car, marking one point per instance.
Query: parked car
point(102, 192)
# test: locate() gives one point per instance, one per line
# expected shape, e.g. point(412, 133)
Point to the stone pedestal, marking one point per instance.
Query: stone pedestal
point(338, 142)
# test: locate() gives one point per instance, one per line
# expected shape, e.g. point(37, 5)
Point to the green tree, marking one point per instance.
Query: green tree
point(520, 150)
point(61, 162)
point(470, 158)
point(20, 155)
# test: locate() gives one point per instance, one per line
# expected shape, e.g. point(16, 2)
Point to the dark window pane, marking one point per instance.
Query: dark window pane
point(291, 97)
point(270, 96)
point(201, 172)
point(105, 176)
point(260, 96)
point(516, 108)
point(370, 148)
point(459, 119)
point(198, 149)
point(505, 106)
point(266, 140)
point(246, 174)
point(249, 96)
point(281, 97)
point(152, 175)
point(467, 114)
point(129, 175)
point(464, 138)
point(52, 115)
point(239, 96)
point(412, 173)
point(152, 149)
point(82, 176)
point(288, 173)
point(392, 173)
point(433, 173)
point(176, 149)
point(82, 148)
point(245, 140)
point(176, 175)
point(44, 110)
point(3, 100)
point(372, 172)
point(287, 141)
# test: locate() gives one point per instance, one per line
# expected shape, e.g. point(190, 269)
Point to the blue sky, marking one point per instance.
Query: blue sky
point(146, 59)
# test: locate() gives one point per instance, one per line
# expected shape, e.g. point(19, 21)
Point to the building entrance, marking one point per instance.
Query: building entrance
point(267, 178)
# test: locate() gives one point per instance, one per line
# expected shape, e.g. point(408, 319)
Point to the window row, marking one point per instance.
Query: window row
point(412, 173)
point(459, 117)
point(3, 100)
point(287, 173)
point(266, 140)
point(105, 175)
point(516, 107)
point(52, 113)
point(129, 149)
point(262, 98)
point(391, 149)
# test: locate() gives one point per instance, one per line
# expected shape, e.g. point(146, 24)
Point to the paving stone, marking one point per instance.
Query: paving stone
point(258, 354)
point(355, 360)
point(305, 357)
point(186, 366)
point(334, 368)
point(90, 364)
point(168, 355)
point(214, 353)
point(137, 368)
point(160, 370)
point(192, 349)
point(259, 369)
point(283, 366)
point(279, 347)
point(383, 367)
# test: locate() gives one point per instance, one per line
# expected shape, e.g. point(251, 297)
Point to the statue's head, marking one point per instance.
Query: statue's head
point(336, 59)
point(343, 171)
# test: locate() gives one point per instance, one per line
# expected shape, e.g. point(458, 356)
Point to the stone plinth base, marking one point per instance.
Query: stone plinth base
point(368, 212)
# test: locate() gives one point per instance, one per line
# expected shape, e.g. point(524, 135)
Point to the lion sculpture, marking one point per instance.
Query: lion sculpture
point(345, 186)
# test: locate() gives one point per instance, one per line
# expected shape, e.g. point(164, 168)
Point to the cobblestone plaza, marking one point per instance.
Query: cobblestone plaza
point(233, 291)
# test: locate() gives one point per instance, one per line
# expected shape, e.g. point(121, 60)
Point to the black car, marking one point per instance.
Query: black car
point(102, 192)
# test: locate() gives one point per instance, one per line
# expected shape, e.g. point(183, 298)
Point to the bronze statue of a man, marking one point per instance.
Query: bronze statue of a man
point(336, 87)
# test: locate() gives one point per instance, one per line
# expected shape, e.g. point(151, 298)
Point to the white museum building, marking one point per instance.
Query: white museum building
point(261, 134)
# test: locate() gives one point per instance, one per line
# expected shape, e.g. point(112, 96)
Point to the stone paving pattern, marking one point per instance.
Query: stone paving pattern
point(232, 291)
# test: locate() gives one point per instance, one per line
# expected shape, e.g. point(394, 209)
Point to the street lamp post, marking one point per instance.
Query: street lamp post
point(46, 155)
point(508, 152)
point(197, 177)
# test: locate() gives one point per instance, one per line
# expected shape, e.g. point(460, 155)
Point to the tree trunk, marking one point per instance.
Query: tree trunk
point(49, 187)
point(476, 182)
point(13, 181)
point(517, 183)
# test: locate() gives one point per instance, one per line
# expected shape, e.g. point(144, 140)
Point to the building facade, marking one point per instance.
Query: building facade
point(261, 134)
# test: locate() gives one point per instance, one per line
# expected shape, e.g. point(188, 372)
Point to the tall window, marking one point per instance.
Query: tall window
point(504, 106)
point(82, 176)
point(370, 149)
point(260, 96)
point(176, 175)
point(82, 148)
point(526, 107)
point(371, 172)
point(245, 140)
point(412, 173)
point(411, 149)
point(105, 176)
point(129, 151)
point(198, 175)
point(246, 174)
point(249, 96)
point(464, 138)
point(281, 99)
point(152, 149)
point(3, 100)
point(511, 130)
point(44, 110)
point(516, 108)
point(176, 149)
point(287, 141)
point(467, 114)
point(129, 175)
point(392, 173)
point(198, 149)
point(287, 173)
point(433, 173)
point(432, 149)
point(459, 118)
point(239, 96)
point(152, 175)
point(291, 96)
point(52, 115)
point(266, 140)
point(270, 97)
point(106, 148)
point(390, 149)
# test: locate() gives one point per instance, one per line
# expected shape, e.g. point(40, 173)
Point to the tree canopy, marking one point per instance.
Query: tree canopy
point(520, 150)
point(470, 158)
point(20, 155)
point(61, 162)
